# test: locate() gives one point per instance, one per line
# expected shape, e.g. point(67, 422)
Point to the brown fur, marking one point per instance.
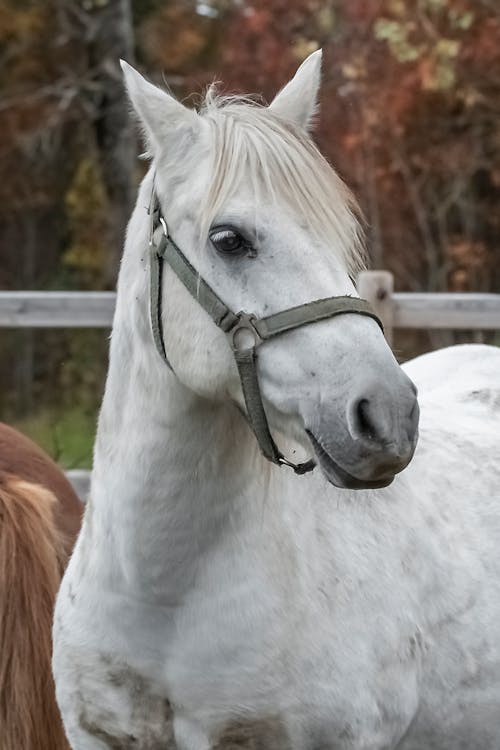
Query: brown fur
point(39, 518)
point(254, 734)
point(21, 457)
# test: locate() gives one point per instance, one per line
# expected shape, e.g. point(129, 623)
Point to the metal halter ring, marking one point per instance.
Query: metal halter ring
point(244, 325)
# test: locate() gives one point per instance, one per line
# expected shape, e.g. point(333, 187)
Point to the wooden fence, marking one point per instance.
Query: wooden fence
point(469, 311)
point(396, 310)
point(451, 310)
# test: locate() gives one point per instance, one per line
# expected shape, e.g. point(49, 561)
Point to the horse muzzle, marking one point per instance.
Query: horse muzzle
point(375, 439)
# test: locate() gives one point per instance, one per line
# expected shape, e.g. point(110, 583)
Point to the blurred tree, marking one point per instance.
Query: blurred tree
point(100, 31)
point(428, 118)
point(62, 99)
point(409, 115)
point(409, 111)
point(106, 25)
point(62, 103)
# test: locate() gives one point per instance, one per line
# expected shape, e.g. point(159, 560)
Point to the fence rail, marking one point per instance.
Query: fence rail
point(56, 309)
point(80, 479)
point(466, 311)
point(396, 309)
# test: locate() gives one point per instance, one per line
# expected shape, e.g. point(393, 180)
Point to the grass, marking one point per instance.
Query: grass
point(67, 436)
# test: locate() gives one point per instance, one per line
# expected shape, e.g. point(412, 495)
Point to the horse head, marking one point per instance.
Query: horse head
point(268, 225)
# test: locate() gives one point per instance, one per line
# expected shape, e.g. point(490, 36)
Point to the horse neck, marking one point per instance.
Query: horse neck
point(170, 468)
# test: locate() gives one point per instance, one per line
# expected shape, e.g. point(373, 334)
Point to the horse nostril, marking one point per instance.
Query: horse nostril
point(382, 420)
point(362, 423)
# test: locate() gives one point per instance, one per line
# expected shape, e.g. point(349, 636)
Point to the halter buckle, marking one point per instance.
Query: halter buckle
point(155, 218)
point(164, 226)
point(238, 335)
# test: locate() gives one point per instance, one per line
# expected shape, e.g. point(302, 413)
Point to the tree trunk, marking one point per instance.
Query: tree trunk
point(111, 38)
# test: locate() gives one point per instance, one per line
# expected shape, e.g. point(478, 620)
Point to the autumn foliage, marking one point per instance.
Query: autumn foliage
point(409, 112)
point(409, 115)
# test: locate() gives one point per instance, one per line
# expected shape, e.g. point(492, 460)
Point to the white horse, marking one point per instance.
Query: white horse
point(217, 600)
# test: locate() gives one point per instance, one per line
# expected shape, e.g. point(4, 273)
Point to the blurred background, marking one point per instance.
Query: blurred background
point(410, 117)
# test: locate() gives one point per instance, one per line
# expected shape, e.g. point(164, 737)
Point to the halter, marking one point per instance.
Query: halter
point(236, 324)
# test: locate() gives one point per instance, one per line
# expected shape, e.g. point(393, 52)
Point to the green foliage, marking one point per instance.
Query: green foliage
point(68, 370)
point(86, 207)
point(427, 37)
point(82, 368)
point(66, 434)
point(460, 20)
point(433, 6)
point(326, 19)
point(398, 36)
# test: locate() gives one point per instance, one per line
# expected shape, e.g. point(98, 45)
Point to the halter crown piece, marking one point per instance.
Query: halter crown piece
point(163, 249)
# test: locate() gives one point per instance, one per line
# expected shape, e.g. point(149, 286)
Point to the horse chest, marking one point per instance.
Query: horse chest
point(295, 697)
point(305, 676)
point(208, 666)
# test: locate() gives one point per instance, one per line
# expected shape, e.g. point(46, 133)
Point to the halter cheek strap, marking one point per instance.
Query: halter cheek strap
point(238, 327)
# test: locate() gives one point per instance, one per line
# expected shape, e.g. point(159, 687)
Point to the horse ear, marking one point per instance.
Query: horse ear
point(160, 114)
point(297, 101)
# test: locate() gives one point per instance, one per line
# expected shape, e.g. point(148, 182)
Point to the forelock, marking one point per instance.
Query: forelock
point(281, 162)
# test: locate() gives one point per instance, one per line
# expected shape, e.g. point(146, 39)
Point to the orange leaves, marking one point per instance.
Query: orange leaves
point(470, 264)
point(257, 20)
point(174, 37)
point(409, 105)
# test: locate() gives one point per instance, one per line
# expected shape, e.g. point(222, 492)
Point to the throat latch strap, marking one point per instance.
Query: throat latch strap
point(245, 331)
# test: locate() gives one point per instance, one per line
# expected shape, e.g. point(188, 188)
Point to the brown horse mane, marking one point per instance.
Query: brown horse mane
point(38, 524)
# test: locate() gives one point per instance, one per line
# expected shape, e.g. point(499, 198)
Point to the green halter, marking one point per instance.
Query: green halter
point(261, 329)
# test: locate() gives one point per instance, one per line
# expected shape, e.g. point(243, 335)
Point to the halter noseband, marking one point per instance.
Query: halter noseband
point(233, 324)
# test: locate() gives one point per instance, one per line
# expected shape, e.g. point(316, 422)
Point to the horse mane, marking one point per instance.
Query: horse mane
point(21, 457)
point(40, 515)
point(32, 557)
point(253, 142)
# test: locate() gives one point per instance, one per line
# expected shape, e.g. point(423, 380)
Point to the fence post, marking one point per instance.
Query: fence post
point(377, 288)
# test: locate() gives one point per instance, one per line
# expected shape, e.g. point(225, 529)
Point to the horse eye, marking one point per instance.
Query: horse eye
point(229, 242)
